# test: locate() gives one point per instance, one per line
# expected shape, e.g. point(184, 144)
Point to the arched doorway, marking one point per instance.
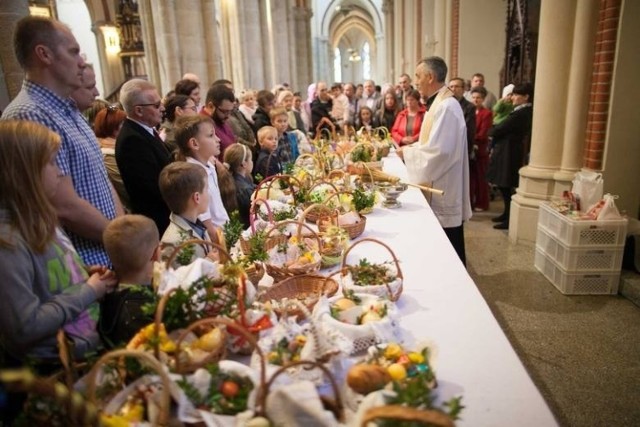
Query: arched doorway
point(348, 26)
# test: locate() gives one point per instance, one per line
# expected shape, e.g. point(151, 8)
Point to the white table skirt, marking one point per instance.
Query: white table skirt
point(442, 305)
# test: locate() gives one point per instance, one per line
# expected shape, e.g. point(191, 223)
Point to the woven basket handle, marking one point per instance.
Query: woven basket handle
point(300, 225)
point(147, 359)
point(338, 195)
point(310, 364)
point(220, 321)
point(254, 212)
point(320, 182)
point(268, 181)
point(78, 410)
point(316, 161)
point(406, 413)
point(361, 168)
point(319, 129)
point(381, 130)
point(344, 270)
point(319, 206)
point(181, 246)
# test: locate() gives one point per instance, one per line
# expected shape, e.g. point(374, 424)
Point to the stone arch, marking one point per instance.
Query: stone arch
point(348, 28)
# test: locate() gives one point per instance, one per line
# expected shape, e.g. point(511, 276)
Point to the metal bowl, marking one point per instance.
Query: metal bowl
point(391, 192)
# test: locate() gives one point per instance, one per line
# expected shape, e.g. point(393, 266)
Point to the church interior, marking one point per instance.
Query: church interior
point(582, 352)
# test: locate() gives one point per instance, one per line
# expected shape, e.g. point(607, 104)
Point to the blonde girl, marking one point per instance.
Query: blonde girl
point(45, 285)
point(239, 160)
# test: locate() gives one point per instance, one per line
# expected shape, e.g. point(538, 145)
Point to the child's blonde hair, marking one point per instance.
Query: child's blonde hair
point(277, 111)
point(178, 182)
point(246, 94)
point(265, 131)
point(187, 127)
point(25, 149)
point(130, 241)
point(235, 155)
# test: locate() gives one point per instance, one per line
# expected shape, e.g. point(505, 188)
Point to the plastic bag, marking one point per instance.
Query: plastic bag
point(589, 188)
point(609, 210)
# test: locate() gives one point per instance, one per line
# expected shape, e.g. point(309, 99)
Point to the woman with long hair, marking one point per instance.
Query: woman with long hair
point(45, 285)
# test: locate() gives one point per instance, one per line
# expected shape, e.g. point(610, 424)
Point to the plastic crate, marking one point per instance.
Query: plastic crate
point(577, 283)
point(571, 232)
point(579, 258)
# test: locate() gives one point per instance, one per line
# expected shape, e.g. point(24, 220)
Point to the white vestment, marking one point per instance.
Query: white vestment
point(440, 159)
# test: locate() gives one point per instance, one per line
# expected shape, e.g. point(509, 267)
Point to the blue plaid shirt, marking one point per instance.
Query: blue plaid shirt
point(79, 155)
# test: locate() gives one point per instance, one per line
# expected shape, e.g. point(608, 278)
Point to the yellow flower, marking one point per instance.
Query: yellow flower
point(393, 351)
point(397, 372)
point(416, 357)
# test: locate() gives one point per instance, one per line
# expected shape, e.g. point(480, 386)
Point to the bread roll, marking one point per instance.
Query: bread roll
point(364, 379)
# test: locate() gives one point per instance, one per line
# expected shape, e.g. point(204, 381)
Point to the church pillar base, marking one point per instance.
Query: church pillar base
point(536, 185)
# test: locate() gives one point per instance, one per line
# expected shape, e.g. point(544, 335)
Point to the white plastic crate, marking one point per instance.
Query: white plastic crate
point(579, 258)
point(573, 232)
point(577, 283)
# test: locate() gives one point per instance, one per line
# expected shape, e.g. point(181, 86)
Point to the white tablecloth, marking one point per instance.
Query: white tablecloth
point(441, 304)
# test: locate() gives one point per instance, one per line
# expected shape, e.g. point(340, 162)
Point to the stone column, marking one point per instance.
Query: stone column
point(212, 45)
point(255, 56)
point(575, 127)
point(302, 45)
point(389, 30)
point(564, 59)
point(11, 74)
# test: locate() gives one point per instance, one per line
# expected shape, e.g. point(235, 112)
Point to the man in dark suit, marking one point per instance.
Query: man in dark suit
point(140, 153)
point(456, 85)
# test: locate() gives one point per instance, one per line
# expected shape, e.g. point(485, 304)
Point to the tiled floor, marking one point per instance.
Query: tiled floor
point(583, 352)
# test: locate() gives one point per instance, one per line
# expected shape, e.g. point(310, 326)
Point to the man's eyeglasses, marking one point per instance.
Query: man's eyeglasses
point(224, 112)
point(155, 105)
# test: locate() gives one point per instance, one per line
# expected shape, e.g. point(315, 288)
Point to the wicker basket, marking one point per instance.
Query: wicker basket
point(245, 245)
point(336, 406)
point(225, 294)
point(268, 182)
point(75, 410)
point(391, 290)
point(255, 272)
point(430, 417)
point(149, 361)
point(280, 273)
point(300, 288)
point(354, 230)
point(312, 211)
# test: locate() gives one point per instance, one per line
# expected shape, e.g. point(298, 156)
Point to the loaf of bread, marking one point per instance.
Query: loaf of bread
point(364, 379)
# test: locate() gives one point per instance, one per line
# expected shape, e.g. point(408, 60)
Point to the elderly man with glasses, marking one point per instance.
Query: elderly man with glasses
point(140, 153)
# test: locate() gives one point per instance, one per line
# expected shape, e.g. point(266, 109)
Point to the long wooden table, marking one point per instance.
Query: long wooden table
point(442, 305)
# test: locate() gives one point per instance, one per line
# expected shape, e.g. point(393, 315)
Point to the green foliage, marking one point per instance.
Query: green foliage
point(363, 199)
point(185, 305)
point(215, 400)
point(187, 253)
point(367, 274)
point(362, 154)
point(416, 391)
point(257, 251)
point(232, 229)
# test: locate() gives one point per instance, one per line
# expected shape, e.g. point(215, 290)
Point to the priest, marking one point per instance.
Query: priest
point(439, 158)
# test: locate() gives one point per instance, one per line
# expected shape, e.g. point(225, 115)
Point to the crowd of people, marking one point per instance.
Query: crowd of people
point(86, 202)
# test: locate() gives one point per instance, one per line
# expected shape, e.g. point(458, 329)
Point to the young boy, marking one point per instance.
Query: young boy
point(287, 142)
point(132, 243)
point(268, 162)
point(184, 189)
point(198, 144)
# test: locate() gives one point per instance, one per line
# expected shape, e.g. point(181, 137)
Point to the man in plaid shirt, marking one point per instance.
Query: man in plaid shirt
point(85, 201)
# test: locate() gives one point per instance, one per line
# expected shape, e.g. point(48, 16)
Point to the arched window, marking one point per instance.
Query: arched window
point(366, 61)
point(337, 65)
